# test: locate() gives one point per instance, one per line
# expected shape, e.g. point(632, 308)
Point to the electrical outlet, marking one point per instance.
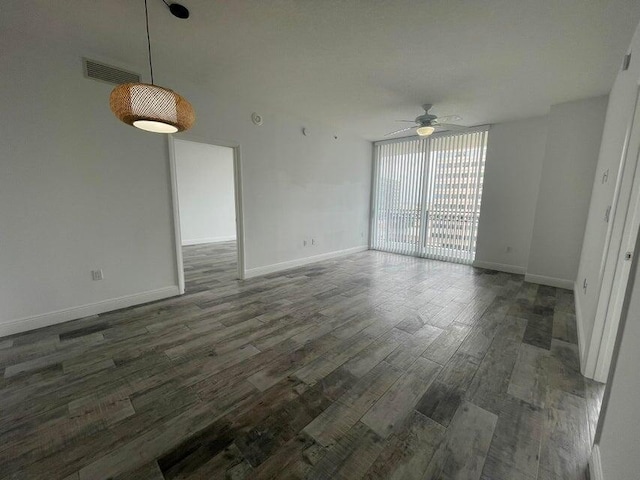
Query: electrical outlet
point(97, 274)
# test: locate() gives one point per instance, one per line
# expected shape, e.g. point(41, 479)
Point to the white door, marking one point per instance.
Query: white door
point(618, 260)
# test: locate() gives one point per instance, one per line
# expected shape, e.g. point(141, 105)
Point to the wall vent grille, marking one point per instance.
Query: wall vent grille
point(107, 73)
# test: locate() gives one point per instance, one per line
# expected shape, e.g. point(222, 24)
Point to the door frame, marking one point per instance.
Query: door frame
point(615, 276)
point(237, 184)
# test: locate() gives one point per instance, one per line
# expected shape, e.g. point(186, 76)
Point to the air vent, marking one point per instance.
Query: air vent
point(107, 73)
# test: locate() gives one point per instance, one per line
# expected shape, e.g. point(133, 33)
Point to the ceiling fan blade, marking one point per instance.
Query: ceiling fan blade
point(450, 126)
point(399, 131)
point(449, 118)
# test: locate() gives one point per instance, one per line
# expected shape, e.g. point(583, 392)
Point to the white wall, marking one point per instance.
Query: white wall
point(515, 153)
point(538, 177)
point(79, 190)
point(206, 192)
point(571, 155)
point(619, 424)
point(619, 116)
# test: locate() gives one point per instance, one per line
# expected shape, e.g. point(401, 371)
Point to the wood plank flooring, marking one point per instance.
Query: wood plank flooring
point(371, 366)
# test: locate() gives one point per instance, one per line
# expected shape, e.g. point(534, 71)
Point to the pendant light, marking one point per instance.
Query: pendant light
point(149, 107)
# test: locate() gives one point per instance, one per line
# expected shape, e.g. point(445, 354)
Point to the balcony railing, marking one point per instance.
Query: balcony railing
point(444, 228)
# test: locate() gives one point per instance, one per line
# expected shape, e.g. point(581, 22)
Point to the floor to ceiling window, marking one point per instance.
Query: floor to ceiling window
point(426, 195)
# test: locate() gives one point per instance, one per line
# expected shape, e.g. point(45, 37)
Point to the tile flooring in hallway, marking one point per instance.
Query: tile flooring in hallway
point(209, 266)
point(373, 366)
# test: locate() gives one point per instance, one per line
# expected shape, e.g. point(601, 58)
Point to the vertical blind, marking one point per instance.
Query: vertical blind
point(426, 195)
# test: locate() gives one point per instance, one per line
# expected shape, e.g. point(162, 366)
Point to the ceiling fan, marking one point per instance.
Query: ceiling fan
point(427, 123)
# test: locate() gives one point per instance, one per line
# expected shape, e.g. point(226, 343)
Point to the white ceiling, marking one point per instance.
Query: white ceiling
point(358, 65)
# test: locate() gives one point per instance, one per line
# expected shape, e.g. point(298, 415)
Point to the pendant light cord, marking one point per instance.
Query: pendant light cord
point(146, 14)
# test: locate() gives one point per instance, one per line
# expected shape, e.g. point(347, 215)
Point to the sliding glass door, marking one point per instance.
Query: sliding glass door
point(426, 195)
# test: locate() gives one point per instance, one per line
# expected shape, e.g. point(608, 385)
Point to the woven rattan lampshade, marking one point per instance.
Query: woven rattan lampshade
point(151, 108)
point(147, 106)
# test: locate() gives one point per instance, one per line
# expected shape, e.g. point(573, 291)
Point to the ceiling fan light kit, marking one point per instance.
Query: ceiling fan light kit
point(148, 106)
point(425, 131)
point(427, 123)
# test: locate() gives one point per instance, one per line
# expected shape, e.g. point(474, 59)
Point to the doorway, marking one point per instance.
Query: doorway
point(426, 195)
point(207, 214)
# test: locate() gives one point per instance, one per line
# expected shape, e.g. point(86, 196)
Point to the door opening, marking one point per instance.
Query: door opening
point(207, 214)
point(426, 195)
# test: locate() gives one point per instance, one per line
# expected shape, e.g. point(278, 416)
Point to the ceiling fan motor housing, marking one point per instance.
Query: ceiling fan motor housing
point(425, 119)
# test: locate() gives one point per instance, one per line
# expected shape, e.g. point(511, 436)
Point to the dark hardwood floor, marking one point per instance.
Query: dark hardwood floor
point(373, 366)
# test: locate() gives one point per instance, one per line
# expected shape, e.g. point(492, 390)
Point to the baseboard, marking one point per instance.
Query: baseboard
point(277, 267)
point(595, 464)
point(582, 347)
point(200, 241)
point(46, 319)
point(550, 281)
point(500, 267)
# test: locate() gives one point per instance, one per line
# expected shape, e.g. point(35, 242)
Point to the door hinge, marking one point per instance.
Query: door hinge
point(626, 62)
point(607, 213)
point(584, 285)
